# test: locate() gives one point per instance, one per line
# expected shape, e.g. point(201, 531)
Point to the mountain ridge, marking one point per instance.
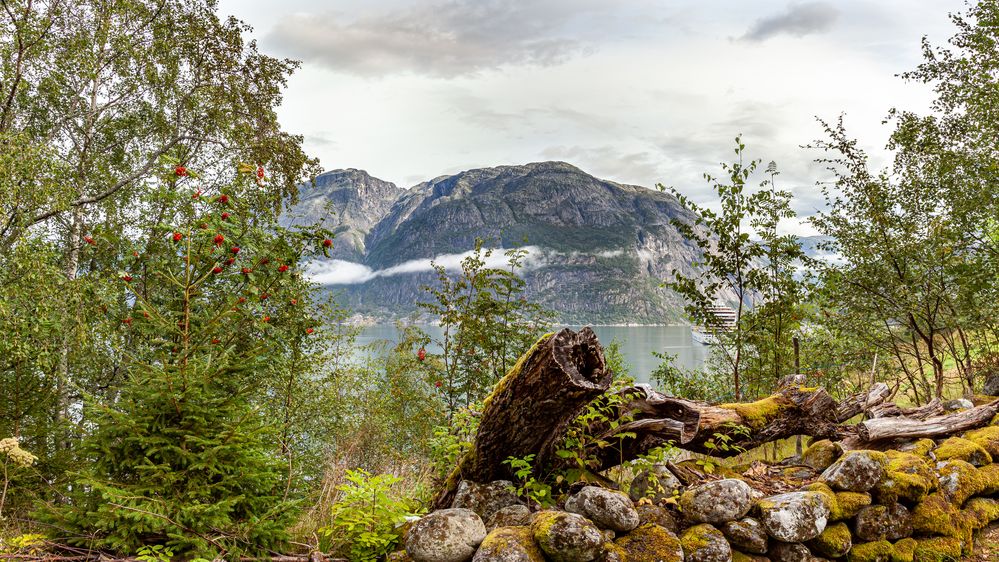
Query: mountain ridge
point(601, 248)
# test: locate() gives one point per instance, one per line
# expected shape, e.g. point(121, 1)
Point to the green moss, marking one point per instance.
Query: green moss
point(935, 515)
point(959, 480)
point(938, 549)
point(514, 371)
point(987, 438)
point(651, 543)
point(699, 537)
point(519, 540)
point(743, 557)
point(834, 542)
point(982, 511)
point(821, 454)
point(962, 449)
point(920, 447)
point(904, 550)
point(842, 505)
point(988, 480)
point(907, 477)
point(877, 551)
point(757, 414)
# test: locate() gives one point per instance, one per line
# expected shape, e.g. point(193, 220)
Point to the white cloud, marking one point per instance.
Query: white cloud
point(798, 20)
point(342, 272)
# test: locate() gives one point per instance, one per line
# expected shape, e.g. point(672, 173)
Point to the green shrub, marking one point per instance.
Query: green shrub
point(365, 519)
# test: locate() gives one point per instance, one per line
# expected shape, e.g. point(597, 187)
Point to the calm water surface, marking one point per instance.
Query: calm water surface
point(637, 344)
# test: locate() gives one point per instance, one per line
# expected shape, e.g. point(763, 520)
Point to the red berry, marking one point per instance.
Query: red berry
point(438, 384)
point(230, 261)
point(309, 330)
point(135, 254)
point(283, 268)
point(126, 277)
point(203, 226)
point(223, 199)
point(216, 340)
point(260, 172)
point(265, 261)
point(180, 171)
point(89, 240)
point(234, 250)
point(145, 314)
point(127, 321)
point(225, 216)
point(177, 236)
point(328, 243)
point(421, 354)
point(216, 270)
point(246, 271)
point(196, 194)
point(267, 319)
point(242, 299)
point(219, 239)
point(294, 302)
point(264, 296)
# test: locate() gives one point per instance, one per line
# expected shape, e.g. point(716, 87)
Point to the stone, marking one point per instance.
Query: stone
point(821, 454)
point(649, 513)
point(856, 471)
point(908, 476)
point(717, 502)
point(956, 405)
point(991, 386)
point(567, 537)
point(485, 499)
point(509, 544)
point(956, 448)
point(878, 551)
point(746, 534)
point(650, 543)
point(959, 480)
point(656, 483)
point(606, 508)
point(789, 552)
point(987, 438)
point(705, 543)
point(397, 556)
point(447, 535)
point(834, 542)
point(795, 516)
point(510, 516)
point(883, 522)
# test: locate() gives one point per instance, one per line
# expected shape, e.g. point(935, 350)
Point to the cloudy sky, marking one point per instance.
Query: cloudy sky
point(636, 91)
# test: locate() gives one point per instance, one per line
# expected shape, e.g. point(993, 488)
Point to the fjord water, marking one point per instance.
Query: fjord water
point(636, 343)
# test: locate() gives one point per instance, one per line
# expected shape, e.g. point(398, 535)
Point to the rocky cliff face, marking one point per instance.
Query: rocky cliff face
point(351, 203)
point(601, 249)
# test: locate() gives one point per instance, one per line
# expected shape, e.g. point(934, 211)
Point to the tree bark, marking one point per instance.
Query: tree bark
point(531, 407)
point(903, 427)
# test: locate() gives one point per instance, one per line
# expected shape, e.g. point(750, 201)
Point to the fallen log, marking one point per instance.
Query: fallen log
point(723, 430)
point(531, 407)
point(902, 427)
point(862, 402)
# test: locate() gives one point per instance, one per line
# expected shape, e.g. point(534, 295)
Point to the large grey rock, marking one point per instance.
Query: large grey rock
point(509, 544)
point(795, 516)
point(856, 471)
point(717, 502)
point(448, 535)
point(705, 543)
point(883, 522)
point(821, 454)
point(991, 387)
point(510, 516)
point(746, 535)
point(567, 537)
point(608, 509)
point(789, 552)
point(656, 483)
point(485, 499)
point(657, 515)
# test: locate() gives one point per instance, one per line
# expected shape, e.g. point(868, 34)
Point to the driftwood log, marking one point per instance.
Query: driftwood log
point(533, 405)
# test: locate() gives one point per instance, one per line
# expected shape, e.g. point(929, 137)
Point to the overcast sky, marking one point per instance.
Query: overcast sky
point(635, 91)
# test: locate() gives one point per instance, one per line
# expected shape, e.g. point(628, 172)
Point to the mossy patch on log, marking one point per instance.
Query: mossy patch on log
point(757, 415)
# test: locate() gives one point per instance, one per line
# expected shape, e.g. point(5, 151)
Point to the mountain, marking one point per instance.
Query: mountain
point(599, 249)
point(350, 202)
